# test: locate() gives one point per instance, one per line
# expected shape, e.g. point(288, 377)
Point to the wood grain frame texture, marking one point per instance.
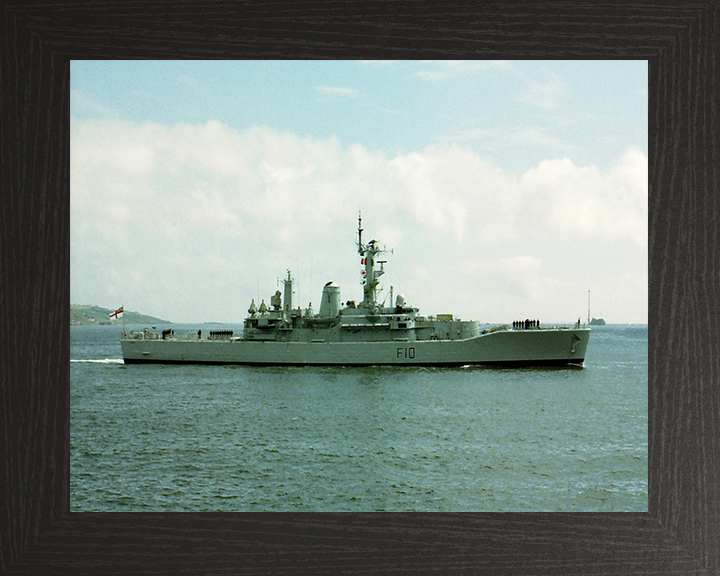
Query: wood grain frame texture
point(680, 532)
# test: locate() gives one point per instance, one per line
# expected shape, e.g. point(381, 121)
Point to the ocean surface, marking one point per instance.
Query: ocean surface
point(237, 438)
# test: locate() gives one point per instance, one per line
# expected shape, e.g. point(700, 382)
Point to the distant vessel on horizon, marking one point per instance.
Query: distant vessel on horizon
point(594, 321)
point(361, 334)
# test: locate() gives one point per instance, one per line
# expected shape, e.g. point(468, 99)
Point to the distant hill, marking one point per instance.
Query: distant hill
point(81, 314)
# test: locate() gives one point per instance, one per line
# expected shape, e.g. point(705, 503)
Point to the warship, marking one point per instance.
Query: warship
point(362, 333)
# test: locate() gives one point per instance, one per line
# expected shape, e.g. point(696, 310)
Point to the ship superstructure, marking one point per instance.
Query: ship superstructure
point(364, 333)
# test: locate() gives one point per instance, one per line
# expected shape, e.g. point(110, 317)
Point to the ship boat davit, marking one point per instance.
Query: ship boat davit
point(360, 334)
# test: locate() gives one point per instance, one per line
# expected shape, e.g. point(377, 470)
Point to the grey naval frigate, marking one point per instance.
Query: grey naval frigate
point(364, 333)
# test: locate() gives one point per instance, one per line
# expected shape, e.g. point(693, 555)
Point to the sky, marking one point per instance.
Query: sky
point(503, 190)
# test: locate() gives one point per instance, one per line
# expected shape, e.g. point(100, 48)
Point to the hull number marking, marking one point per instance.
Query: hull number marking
point(405, 353)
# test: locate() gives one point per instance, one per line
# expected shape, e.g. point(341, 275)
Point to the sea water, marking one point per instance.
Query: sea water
point(241, 438)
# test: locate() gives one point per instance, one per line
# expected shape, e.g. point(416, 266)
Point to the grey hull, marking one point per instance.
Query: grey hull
point(522, 347)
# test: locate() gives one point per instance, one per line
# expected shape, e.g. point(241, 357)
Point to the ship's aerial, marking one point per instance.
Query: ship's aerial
point(362, 333)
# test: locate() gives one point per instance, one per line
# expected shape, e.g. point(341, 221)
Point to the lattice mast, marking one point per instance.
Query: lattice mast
point(370, 274)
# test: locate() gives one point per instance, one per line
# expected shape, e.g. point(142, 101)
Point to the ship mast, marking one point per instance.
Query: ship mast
point(370, 274)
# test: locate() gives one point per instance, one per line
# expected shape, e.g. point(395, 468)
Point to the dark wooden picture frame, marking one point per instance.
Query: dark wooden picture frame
point(681, 531)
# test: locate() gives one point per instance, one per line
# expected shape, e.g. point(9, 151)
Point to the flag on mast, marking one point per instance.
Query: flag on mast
point(118, 313)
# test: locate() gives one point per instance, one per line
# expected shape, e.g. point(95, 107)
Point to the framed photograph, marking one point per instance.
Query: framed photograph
point(83, 503)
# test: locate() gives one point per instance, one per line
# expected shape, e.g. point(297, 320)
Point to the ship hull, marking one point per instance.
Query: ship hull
point(504, 347)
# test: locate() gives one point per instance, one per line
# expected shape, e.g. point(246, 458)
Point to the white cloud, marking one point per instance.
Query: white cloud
point(338, 91)
point(86, 103)
point(452, 189)
point(585, 202)
point(545, 95)
point(187, 222)
point(508, 138)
